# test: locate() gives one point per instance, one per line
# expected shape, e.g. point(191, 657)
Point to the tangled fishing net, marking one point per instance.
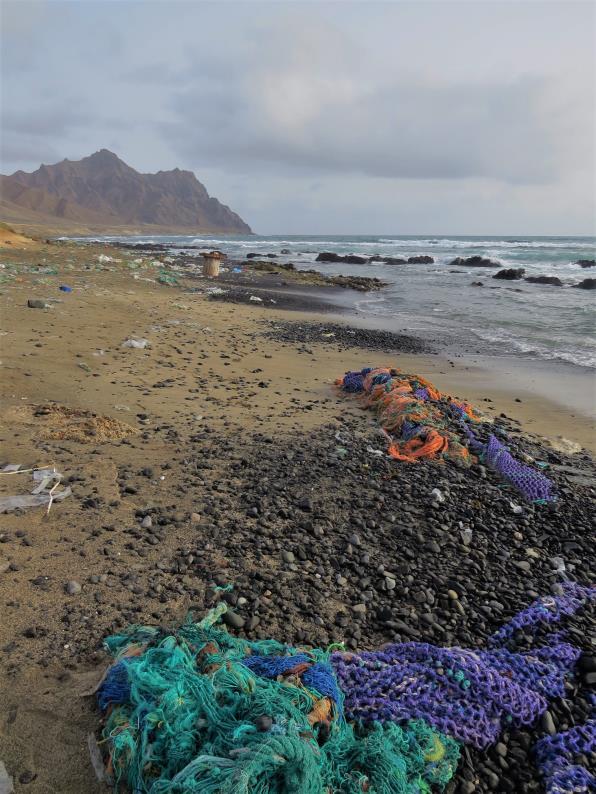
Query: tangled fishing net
point(197, 710)
point(422, 423)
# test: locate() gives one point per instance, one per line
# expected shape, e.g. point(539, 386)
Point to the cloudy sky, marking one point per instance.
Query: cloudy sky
point(423, 117)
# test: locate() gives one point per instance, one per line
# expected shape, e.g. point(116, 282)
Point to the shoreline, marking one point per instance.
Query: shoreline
point(551, 399)
point(210, 458)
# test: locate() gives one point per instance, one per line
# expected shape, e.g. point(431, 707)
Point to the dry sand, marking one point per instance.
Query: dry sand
point(207, 366)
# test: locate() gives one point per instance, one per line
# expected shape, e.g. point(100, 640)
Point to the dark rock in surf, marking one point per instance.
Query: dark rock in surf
point(472, 261)
point(388, 260)
point(420, 260)
point(587, 283)
point(586, 262)
point(510, 273)
point(350, 259)
point(552, 280)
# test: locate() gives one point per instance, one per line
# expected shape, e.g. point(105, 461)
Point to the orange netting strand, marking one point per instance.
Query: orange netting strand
point(413, 408)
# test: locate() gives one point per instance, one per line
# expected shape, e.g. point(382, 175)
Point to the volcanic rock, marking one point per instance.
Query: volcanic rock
point(552, 280)
point(587, 283)
point(510, 273)
point(472, 261)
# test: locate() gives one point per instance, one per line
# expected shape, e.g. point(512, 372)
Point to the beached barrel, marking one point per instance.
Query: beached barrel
point(211, 263)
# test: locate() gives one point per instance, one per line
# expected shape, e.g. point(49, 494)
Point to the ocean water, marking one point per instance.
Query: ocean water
point(502, 317)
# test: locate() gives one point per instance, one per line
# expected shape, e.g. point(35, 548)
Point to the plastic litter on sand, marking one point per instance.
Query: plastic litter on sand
point(44, 493)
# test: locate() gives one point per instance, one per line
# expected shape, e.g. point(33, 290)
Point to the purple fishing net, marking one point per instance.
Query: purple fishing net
point(545, 611)
point(556, 756)
point(469, 695)
point(532, 484)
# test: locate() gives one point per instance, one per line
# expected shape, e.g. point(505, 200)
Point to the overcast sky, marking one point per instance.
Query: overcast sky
point(340, 117)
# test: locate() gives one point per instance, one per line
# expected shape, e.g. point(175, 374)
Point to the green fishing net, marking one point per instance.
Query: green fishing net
point(185, 714)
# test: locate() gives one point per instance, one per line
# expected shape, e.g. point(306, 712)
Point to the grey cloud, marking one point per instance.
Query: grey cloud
point(311, 100)
point(55, 120)
point(403, 130)
point(319, 115)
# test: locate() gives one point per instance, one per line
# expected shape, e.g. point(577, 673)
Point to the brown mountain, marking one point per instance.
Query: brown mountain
point(101, 192)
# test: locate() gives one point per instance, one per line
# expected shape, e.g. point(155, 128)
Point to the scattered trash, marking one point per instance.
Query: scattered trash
point(558, 564)
point(139, 344)
point(343, 438)
point(378, 452)
point(96, 762)
point(236, 270)
point(104, 258)
point(215, 291)
point(167, 278)
point(34, 303)
point(517, 509)
point(437, 495)
point(256, 299)
point(47, 478)
point(84, 366)
point(327, 336)
point(65, 288)
point(121, 408)
point(6, 785)
point(466, 536)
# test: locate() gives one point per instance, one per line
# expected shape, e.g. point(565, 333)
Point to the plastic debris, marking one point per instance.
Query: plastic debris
point(139, 344)
point(343, 438)
point(65, 288)
point(34, 303)
point(437, 495)
point(378, 452)
point(6, 784)
point(44, 493)
point(466, 536)
point(256, 299)
point(96, 761)
point(517, 509)
point(167, 278)
point(558, 564)
point(104, 258)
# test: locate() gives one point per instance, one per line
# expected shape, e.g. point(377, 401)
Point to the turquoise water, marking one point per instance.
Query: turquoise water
point(502, 317)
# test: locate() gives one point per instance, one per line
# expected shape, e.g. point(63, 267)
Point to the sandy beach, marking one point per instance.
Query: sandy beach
point(172, 431)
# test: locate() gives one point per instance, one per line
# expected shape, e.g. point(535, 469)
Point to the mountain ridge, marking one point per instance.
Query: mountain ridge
point(101, 191)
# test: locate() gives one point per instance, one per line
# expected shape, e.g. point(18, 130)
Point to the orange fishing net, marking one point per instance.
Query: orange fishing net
point(419, 419)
